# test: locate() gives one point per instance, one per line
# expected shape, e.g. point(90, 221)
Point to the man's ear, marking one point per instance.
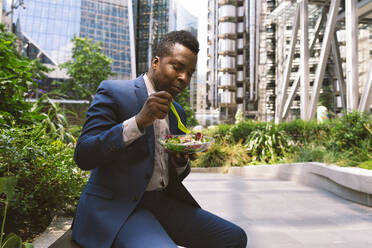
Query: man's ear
point(155, 62)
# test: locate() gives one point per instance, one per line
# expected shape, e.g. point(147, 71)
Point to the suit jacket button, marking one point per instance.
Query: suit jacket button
point(135, 199)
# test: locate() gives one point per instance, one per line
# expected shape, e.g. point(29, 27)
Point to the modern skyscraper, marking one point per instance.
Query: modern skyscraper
point(155, 18)
point(50, 25)
point(152, 23)
point(227, 52)
point(109, 21)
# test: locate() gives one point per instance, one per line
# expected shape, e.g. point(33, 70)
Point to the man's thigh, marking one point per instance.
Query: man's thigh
point(142, 230)
point(194, 227)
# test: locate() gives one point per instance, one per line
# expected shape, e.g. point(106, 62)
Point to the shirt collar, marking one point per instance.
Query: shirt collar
point(149, 85)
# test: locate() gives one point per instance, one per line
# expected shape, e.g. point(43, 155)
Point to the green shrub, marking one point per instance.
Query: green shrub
point(53, 120)
point(267, 145)
point(310, 153)
point(302, 132)
point(214, 157)
point(223, 154)
point(17, 76)
point(237, 155)
point(48, 181)
point(219, 132)
point(366, 165)
point(241, 131)
point(349, 132)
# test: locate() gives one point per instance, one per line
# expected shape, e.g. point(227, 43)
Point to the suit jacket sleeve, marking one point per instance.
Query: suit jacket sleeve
point(101, 139)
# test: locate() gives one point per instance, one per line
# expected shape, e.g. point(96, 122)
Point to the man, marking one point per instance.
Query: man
point(135, 196)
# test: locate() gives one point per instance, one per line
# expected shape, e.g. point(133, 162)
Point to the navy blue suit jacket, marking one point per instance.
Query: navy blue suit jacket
point(120, 173)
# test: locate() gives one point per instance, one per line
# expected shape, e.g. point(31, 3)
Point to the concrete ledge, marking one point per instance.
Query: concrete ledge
point(350, 183)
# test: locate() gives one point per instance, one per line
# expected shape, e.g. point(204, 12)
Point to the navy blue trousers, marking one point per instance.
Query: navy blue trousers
point(162, 222)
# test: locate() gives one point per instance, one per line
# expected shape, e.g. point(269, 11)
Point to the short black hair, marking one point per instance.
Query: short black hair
point(182, 37)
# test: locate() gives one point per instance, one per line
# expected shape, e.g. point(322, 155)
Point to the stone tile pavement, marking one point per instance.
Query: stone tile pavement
point(274, 213)
point(284, 214)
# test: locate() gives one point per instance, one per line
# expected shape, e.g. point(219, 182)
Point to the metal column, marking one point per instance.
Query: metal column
point(304, 59)
point(282, 94)
point(252, 48)
point(319, 75)
point(295, 85)
point(366, 99)
point(352, 77)
point(338, 68)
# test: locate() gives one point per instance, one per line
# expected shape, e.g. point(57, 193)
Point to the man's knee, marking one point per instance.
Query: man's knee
point(240, 238)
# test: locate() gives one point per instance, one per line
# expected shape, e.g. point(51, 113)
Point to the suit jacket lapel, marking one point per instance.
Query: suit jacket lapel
point(141, 93)
point(172, 123)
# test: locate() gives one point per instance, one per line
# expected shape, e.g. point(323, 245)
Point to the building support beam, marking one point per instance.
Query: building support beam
point(305, 54)
point(318, 26)
point(287, 71)
point(364, 8)
point(338, 69)
point(252, 49)
point(319, 75)
point(352, 77)
point(366, 99)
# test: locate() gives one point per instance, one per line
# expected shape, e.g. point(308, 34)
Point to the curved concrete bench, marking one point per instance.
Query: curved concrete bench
point(350, 183)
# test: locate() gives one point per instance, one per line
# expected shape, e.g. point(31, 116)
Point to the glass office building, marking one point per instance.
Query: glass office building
point(151, 15)
point(107, 21)
point(155, 18)
point(51, 24)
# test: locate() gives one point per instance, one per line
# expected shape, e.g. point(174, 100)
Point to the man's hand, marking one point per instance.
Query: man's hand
point(180, 159)
point(155, 107)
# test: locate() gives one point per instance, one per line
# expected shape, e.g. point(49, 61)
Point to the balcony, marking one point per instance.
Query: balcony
point(227, 11)
point(227, 98)
point(226, 28)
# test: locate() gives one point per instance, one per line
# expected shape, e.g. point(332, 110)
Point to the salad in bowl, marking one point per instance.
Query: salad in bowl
point(187, 143)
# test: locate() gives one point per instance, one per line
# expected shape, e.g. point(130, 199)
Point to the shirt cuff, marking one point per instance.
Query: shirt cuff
point(131, 131)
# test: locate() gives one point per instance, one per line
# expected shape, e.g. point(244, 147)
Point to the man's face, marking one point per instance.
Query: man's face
point(173, 73)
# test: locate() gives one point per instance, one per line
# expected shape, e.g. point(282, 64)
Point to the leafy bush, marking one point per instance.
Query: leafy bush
point(7, 190)
point(47, 178)
point(214, 157)
point(344, 141)
point(242, 130)
point(267, 145)
point(17, 76)
point(302, 132)
point(223, 154)
point(349, 132)
point(218, 132)
point(52, 119)
point(310, 153)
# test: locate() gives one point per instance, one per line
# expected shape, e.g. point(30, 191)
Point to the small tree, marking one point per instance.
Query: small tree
point(89, 66)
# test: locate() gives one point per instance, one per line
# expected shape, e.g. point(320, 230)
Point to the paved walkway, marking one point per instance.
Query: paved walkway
point(283, 214)
point(274, 213)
